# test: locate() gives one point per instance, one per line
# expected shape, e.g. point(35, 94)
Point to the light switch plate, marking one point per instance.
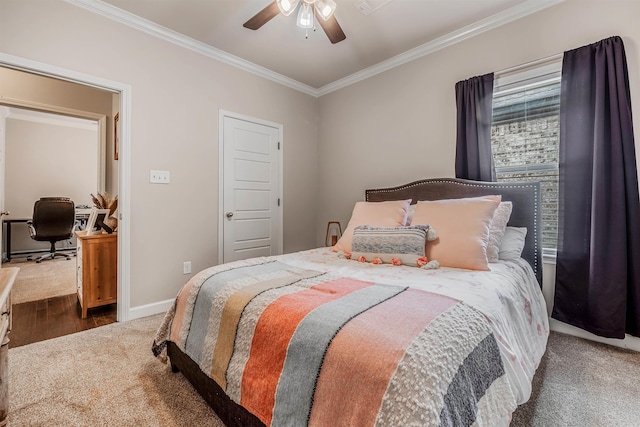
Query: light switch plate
point(158, 177)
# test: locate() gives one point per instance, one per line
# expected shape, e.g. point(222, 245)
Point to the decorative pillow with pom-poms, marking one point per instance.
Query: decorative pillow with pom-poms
point(392, 245)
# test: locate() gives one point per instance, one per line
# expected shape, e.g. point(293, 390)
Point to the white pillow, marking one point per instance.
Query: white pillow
point(512, 243)
point(496, 231)
point(410, 212)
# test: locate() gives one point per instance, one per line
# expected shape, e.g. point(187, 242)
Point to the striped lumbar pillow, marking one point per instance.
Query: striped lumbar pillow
point(391, 245)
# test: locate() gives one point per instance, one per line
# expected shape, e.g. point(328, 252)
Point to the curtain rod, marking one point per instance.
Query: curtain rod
point(529, 64)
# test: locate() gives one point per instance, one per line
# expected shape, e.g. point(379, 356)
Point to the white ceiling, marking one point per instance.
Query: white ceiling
point(396, 27)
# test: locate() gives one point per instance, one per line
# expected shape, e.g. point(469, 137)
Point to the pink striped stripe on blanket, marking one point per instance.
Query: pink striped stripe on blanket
point(298, 347)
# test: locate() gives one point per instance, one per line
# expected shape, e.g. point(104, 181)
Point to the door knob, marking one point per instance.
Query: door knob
point(229, 214)
point(5, 213)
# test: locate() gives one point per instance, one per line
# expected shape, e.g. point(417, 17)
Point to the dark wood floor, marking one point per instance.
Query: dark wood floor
point(54, 317)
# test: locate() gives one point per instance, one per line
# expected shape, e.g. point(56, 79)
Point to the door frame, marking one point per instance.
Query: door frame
point(124, 162)
point(4, 114)
point(221, 115)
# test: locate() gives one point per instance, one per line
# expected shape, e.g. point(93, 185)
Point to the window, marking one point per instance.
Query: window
point(524, 137)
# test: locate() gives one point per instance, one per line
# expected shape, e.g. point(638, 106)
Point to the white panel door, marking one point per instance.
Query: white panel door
point(251, 199)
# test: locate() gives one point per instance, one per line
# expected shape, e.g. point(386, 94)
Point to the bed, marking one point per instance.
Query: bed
point(375, 357)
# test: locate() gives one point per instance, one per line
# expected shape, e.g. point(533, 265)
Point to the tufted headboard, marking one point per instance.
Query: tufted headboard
point(524, 195)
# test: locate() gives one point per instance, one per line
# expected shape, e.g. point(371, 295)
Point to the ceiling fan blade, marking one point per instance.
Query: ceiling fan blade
point(262, 17)
point(331, 28)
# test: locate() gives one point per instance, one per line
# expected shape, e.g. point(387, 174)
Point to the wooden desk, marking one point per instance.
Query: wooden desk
point(81, 218)
point(96, 270)
point(7, 277)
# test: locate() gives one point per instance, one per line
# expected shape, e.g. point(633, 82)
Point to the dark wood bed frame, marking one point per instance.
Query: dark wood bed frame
point(526, 213)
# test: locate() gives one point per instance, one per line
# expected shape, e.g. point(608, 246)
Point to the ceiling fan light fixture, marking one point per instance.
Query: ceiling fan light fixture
point(305, 16)
point(325, 8)
point(287, 6)
point(311, 12)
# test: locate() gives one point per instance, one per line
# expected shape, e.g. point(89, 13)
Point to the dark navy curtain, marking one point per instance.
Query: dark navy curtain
point(598, 263)
point(473, 141)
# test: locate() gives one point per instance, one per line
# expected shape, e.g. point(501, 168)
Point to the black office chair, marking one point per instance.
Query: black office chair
point(53, 220)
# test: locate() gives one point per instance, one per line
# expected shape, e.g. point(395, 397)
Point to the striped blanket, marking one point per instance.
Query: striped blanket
point(299, 347)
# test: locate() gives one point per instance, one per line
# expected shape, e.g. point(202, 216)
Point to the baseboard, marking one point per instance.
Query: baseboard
point(630, 343)
point(149, 309)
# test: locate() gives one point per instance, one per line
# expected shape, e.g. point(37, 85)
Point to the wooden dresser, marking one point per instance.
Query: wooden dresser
point(7, 277)
point(96, 270)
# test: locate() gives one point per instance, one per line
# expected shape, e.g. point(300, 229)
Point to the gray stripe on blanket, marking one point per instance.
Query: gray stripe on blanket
point(206, 296)
point(308, 346)
point(476, 374)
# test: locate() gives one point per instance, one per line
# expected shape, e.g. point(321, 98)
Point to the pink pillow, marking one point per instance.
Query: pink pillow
point(463, 230)
point(376, 214)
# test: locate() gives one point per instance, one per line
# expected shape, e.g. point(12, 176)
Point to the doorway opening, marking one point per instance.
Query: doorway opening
point(109, 175)
point(49, 155)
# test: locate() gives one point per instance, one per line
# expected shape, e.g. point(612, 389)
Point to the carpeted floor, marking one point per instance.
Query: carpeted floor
point(102, 377)
point(108, 377)
point(583, 383)
point(50, 278)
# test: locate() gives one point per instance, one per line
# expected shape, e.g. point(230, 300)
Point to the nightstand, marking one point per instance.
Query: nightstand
point(96, 270)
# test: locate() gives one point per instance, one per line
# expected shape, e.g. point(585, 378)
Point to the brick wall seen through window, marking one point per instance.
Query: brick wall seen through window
point(524, 140)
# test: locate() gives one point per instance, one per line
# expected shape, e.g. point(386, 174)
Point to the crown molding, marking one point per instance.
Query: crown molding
point(116, 14)
point(494, 21)
point(516, 12)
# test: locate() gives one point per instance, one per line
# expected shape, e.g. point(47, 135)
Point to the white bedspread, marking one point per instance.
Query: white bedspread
point(508, 295)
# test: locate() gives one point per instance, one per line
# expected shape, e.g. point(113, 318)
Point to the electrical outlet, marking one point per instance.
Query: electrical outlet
point(158, 177)
point(186, 267)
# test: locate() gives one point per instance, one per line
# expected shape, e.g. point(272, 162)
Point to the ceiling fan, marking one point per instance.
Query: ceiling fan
point(323, 10)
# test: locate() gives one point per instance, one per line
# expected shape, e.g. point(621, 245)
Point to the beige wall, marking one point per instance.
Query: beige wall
point(35, 90)
point(399, 126)
point(38, 164)
point(176, 98)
